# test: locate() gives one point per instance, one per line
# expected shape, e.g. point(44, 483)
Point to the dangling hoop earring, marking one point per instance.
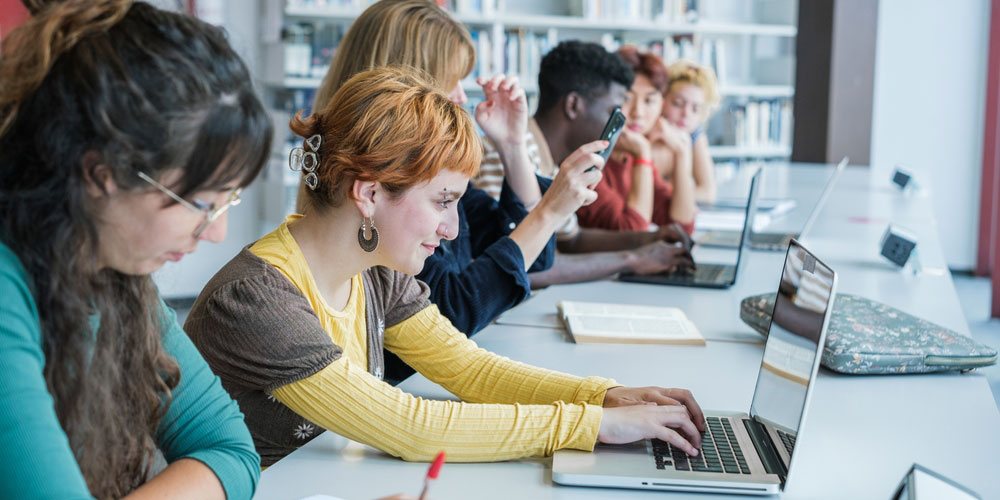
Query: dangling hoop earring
point(368, 244)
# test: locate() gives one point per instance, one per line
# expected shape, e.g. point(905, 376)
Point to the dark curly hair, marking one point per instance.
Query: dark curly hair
point(140, 90)
point(581, 67)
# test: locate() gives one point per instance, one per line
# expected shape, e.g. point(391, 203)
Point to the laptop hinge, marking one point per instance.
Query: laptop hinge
point(765, 449)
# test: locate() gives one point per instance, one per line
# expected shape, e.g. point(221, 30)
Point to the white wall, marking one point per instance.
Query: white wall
point(929, 97)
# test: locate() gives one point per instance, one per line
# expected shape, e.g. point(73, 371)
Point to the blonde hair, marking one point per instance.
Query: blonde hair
point(413, 33)
point(684, 71)
point(391, 126)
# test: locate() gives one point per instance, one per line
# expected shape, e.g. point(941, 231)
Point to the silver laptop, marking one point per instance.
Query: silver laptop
point(774, 241)
point(741, 453)
point(708, 275)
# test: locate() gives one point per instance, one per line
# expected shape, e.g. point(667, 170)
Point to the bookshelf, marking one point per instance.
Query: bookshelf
point(751, 43)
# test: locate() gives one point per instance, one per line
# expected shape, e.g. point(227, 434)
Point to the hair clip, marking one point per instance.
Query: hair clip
point(307, 161)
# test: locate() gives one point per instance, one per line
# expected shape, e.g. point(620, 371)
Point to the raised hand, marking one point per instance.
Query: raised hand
point(573, 186)
point(673, 137)
point(503, 114)
point(633, 143)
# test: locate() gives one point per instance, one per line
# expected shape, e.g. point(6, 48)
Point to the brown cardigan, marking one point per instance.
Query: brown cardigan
point(258, 333)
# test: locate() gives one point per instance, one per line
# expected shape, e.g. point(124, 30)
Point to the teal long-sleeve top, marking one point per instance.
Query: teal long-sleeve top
point(36, 461)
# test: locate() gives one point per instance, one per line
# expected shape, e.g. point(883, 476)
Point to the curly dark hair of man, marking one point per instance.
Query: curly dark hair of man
point(132, 88)
point(581, 67)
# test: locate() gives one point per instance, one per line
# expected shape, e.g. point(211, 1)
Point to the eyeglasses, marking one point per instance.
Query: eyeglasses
point(211, 212)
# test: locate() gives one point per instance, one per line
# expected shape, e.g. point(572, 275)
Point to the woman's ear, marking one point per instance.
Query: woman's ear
point(97, 176)
point(574, 105)
point(364, 195)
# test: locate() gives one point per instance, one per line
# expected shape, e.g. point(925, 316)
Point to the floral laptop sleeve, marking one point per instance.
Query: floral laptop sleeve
point(868, 337)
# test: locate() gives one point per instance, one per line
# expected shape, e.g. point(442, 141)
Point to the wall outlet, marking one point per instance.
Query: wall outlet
point(897, 245)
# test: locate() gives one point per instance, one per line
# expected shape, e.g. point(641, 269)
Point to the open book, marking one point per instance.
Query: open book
point(627, 324)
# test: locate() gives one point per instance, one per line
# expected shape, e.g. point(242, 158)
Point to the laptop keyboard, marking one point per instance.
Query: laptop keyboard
point(720, 452)
point(703, 272)
point(787, 439)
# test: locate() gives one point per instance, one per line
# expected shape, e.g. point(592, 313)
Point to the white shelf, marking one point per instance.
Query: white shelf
point(579, 23)
point(293, 82)
point(757, 90)
point(586, 28)
point(749, 151)
point(296, 82)
point(324, 13)
point(572, 23)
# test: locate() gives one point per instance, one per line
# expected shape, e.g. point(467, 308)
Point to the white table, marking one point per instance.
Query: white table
point(862, 434)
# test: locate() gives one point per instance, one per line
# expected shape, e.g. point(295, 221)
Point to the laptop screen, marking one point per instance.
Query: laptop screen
point(790, 354)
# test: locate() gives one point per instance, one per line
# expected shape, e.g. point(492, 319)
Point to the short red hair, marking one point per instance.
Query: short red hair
point(390, 126)
point(646, 64)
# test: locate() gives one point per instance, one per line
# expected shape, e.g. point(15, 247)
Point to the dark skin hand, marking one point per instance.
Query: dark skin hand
point(660, 256)
point(589, 240)
point(673, 233)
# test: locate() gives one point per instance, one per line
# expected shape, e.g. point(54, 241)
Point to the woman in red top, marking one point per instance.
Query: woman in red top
point(632, 195)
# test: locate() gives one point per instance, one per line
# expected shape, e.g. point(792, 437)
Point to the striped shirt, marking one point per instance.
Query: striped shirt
point(491, 175)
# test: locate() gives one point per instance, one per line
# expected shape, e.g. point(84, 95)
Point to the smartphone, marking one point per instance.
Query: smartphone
point(612, 129)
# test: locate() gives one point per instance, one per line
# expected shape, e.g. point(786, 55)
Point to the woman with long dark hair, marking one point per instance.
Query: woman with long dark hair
point(126, 133)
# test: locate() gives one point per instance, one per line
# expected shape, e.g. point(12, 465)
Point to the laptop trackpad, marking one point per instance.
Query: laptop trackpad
point(639, 447)
point(617, 459)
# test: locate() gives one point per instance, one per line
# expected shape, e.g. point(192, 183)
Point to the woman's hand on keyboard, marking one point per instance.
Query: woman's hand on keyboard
point(628, 424)
point(627, 396)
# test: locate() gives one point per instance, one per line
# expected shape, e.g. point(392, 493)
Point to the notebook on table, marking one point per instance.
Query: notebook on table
point(707, 275)
point(741, 453)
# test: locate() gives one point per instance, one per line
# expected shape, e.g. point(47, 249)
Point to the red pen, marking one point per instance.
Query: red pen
point(432, 473)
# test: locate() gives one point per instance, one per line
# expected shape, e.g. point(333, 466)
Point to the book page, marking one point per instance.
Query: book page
point(601, 309)
point(596, 322)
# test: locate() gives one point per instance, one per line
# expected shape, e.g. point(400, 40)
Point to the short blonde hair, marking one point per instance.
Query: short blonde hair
point(684, 71)
point(413, 33)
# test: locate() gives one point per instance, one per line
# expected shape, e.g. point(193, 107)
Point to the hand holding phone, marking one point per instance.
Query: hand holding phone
point(612, 129)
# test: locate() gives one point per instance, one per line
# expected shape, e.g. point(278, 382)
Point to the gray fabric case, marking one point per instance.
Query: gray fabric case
point(866, 337)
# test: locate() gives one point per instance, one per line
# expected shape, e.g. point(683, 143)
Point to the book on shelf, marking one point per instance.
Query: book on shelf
point(762, 123)
point(713, 55)
point(483, 7)
point(677, 11)
point(595, 322)
point(484, 50)
point(523, 50)
point(330, 4)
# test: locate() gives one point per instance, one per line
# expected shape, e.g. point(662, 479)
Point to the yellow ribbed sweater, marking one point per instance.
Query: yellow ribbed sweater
point(511, 410)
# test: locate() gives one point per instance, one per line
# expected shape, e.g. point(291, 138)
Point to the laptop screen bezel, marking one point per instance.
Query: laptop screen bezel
point(751, 210)
point(794, 244)
point(825, 195)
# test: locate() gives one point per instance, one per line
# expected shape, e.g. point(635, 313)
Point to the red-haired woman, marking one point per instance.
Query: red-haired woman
point(659, 107)
point(633, 194)
point(296, 323)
